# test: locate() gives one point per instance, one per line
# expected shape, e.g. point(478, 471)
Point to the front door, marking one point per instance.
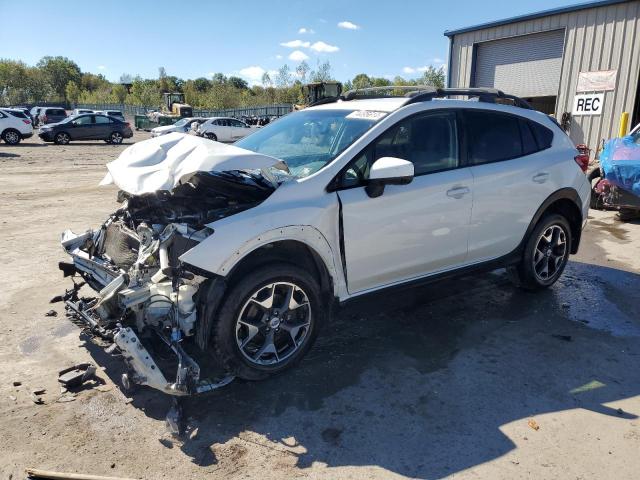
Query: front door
point(410, 230)
point(81, 127)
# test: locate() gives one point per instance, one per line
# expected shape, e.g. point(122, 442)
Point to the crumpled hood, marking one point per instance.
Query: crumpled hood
point(159, 163)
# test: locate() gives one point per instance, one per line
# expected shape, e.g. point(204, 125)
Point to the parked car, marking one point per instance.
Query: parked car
point(112, 113)
point(34, 113)
point(241, 250)
point(81, 111)
point(15, 126)
point(616, 181)
point(51, 115)
point(86, 127)
point(184, 125)
point(223, 129)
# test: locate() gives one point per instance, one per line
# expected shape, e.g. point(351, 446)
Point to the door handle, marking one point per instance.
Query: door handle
point(457, 192)
point(541, 177)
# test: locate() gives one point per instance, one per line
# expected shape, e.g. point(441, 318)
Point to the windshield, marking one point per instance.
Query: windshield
point(310, 139)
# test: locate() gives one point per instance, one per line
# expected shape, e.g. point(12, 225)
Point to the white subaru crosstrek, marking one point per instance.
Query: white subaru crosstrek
point(15, 126)
point(242, 250)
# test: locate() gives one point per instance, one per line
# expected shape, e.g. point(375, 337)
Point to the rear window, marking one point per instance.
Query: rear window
point(544, 136)
point(492, 137)
point(16, 114)
point(56, 111)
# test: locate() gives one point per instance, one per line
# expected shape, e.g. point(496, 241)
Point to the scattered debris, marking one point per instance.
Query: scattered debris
point(38, 390)
point(289, 441)
point(51, 313)
point(532, 423)
point(566, 338)
point(48, 474)
point(17, 384)
point(75, 376)
point(620, 411)
point(37, 399)
point(173, 419)
point(67, 397)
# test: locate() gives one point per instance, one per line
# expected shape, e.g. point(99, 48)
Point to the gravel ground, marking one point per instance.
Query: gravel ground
point(432, 382)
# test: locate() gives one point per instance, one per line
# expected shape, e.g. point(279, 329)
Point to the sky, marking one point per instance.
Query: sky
point(244, 37)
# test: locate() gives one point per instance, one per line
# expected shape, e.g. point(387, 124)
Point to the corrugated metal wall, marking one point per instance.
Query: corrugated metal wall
point(603, 38)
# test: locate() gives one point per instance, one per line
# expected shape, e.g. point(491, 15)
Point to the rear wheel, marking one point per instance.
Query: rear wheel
point(545, 254)
point(268, 321)
point(116, 138)
point(61, 138)
point(211, 136)
point(11, 136)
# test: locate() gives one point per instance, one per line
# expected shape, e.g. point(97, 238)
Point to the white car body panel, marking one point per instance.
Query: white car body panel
point(159, 163)
point(225, 133)
point(283, 209)
point(15, 122)
point(408, 231)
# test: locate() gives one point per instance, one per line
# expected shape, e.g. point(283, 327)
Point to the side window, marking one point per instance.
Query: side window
point(429, 141)
point(86, 120)
point(544, 136)
point(102, 120)
point(236, 123)
point(529, 144)
point(492, 137)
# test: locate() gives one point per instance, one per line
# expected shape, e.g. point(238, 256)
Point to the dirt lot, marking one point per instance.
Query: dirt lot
point(430, 382)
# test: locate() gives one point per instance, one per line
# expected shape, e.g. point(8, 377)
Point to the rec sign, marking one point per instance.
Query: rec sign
point(589, 104)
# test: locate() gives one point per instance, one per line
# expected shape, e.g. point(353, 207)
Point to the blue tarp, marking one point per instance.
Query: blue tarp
point(620, 162)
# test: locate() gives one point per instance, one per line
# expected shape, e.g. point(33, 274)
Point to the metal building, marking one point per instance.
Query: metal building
point(580, 63)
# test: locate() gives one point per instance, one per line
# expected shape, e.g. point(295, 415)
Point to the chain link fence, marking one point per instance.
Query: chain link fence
point(276, 110)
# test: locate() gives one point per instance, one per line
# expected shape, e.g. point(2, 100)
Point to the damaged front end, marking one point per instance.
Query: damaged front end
point(142, 289)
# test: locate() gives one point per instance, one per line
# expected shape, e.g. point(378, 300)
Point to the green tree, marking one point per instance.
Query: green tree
point(119, 92)
point(322, 72)
point(59, 71)
point(238, 83)
point(72, 92)
point(362, 80)
point(433, 76)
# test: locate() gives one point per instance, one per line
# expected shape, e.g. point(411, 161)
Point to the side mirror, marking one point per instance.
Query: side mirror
point(388, 171)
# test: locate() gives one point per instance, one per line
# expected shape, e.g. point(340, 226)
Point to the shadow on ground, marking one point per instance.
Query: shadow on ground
point(419, 382)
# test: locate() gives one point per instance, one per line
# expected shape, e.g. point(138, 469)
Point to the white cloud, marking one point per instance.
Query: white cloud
point(296, 44)
point(298, 56)
point(279, 57)
point(348, 25)
point(424, 68)
point(304, 30)
point(252, 74)
point(101, 67)
point(437, 60)
point(324, 47)
point(409, 70)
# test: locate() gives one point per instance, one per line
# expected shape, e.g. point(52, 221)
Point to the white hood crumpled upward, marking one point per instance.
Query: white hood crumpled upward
point(159, 163)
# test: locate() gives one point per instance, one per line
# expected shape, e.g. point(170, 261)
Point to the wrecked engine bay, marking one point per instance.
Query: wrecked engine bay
point(143, 292)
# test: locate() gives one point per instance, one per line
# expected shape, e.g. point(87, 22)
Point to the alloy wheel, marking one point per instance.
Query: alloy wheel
point(273, 323)
point(550, 253)
point(62, 138)
point(116, 138)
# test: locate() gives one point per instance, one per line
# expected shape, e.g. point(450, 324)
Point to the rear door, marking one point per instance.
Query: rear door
point(102, 127)
point(238, 129)
point(513, 174)
point(411, 230)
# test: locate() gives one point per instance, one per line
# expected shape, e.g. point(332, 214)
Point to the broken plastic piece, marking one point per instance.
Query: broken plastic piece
point(75, 376)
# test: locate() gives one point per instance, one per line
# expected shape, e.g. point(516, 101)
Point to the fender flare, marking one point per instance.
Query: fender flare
point(566, 193)
point(306, 234)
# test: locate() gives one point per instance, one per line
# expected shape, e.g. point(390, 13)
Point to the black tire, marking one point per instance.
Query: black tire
point(61, 138)
point(524, 274)
point(211, 136)
point(11, 136)
point(116, 138)
point(627, 214)
point(224, 339)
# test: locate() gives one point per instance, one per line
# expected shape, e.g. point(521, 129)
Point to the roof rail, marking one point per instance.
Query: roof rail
point(489, 95)
point(369, 92)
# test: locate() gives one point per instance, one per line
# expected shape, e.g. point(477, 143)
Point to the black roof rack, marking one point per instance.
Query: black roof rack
point(424, 93)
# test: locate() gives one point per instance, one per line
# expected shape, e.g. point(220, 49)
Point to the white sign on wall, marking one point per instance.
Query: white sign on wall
point(597, 81)
point(588, 104)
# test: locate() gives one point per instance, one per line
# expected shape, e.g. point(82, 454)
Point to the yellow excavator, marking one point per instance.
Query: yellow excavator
point(174, 105)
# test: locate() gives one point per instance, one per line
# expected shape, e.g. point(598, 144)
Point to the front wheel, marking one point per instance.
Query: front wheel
point(545, 254)
point(268, 321)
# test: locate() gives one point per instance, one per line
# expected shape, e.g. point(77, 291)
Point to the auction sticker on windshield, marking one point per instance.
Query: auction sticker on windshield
point(366, 114)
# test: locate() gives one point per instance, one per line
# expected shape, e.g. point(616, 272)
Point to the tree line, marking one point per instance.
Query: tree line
point(59, 79)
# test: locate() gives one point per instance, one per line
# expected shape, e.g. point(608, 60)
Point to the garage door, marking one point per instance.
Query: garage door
point(527, 65)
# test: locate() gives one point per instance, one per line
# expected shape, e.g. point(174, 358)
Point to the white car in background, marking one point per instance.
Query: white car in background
point(184, 125)
point(225, 129)
point(15, 126)
point(81, 111)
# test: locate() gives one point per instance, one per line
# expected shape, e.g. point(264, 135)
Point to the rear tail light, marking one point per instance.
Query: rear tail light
point(583, 161)
point(127, 124)
point(27, 121)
